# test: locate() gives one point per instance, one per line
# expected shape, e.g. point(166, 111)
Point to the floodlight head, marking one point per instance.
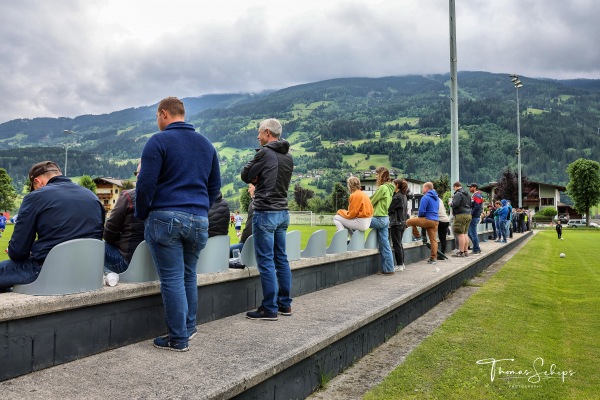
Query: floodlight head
point(518, 84)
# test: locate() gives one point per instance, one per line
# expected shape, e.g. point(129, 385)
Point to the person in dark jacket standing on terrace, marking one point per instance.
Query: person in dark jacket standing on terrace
point(461, 209)
point(177, 184)
point(476, 207)
point(398, 213)
point(271, 171)
point(56, 210)
point(218, 217)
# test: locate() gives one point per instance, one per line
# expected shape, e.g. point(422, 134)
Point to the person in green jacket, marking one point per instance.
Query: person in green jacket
point(380, 222)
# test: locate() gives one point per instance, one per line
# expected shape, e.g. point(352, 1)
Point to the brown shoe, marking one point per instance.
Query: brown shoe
point(385, 273)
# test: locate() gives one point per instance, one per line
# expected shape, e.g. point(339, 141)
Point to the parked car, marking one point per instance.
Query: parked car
point(580, 223)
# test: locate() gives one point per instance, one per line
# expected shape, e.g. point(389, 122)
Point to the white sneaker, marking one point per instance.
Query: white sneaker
point(399, 268)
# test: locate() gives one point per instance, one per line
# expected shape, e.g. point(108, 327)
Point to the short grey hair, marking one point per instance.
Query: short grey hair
point(273, 125)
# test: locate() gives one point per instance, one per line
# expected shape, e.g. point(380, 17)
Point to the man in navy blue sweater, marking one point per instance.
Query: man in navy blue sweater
point(178, 182)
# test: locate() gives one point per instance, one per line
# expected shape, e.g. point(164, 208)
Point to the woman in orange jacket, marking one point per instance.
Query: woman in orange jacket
point(359, 213)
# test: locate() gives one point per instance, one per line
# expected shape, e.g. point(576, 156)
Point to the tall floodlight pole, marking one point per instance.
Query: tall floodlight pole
point(518, 84)
point(67, 148)
point(454, 169)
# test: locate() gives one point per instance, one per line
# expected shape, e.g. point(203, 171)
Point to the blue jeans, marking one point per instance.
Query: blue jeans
point(113, 259)
point(18, 273)
point(269, 233)
point(381, 225)
point(473, 234)
point(175, 239)
point(236, 246)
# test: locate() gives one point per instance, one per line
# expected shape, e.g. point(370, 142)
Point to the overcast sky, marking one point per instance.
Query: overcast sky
point(73, 57)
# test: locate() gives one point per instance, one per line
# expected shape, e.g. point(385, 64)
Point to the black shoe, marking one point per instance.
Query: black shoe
point(431, 261)
point(165, 343)
point(287, 311)
point(262, 313)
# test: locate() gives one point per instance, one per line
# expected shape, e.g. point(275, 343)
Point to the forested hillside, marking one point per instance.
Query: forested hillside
point(348, 125)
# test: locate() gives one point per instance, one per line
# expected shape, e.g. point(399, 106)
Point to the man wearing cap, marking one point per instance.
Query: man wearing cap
point(476, 207)
point(56, 210)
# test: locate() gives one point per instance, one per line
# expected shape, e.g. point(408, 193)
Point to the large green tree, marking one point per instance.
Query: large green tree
point(8, 194)
point(87, 182)
point(584, 185)
point(301, 196)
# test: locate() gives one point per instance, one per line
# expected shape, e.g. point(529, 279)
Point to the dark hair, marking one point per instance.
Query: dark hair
point(402, 185)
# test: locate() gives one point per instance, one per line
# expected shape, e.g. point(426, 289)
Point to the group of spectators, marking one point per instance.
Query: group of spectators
point(387, 212)
point(177, 205)
point(177, 190)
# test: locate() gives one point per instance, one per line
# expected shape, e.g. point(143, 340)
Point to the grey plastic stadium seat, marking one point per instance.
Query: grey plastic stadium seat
point(292, 245)
point(357, 242)
point(371, 242)
point(74, 266)
point(141, 268)
point(407, 236)
point(214, 257)
point(248, 256)
point(339, 243)
point(317, 245)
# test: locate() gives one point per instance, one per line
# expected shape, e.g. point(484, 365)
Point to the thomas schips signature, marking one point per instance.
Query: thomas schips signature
point(536, 374)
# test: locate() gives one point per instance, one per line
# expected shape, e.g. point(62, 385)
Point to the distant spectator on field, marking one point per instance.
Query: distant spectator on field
point(559, 229)
point(218, 217)
point(238, 223)
point(55, 210)
point(2, 224)
point(122, 233)
point(360, 210)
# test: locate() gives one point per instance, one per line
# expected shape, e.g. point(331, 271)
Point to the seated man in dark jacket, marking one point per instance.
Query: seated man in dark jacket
point(56, 210)
point(218, 217)
point(122, 234)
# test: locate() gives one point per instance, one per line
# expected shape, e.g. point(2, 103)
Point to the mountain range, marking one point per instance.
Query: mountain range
point(343, 126)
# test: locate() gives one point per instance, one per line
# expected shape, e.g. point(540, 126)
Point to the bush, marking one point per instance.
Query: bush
point(547, 212)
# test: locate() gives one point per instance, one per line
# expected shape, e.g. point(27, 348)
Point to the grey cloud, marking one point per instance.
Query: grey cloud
point(62, 66)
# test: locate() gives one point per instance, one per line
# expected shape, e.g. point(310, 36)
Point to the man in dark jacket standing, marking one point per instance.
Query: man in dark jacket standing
point(271, 171)
point(177, 184)
point(56, 210)
point(461, 209)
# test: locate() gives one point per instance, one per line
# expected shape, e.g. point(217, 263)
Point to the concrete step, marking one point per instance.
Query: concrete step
point(238, 357)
